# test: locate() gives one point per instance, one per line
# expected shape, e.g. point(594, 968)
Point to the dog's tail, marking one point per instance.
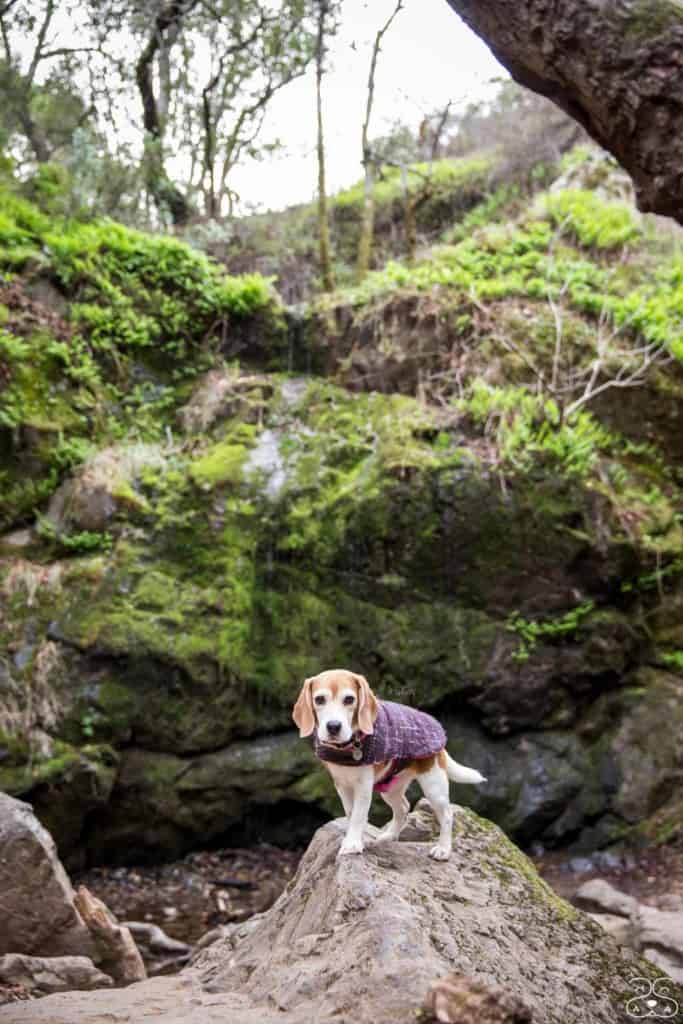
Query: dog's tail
point(459, 773)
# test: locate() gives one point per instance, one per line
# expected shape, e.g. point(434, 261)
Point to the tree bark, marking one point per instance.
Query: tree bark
point(326, 274)
point(368, 213)
point(617, 68)
point(166, 194)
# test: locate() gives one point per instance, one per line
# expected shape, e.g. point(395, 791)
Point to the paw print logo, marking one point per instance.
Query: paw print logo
point(653, 999)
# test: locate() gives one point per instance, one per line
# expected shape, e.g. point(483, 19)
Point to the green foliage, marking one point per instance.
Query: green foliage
point(672, 659)
point(447, 175)
point(80, 542)
point(593, 222)
point(148, 315)
point(532, 632)
point(49, 188)
point(222, 463)
point(527, 429)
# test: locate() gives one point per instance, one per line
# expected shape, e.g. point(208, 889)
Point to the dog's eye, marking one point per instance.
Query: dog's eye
point(319, 700)
point(348, 700)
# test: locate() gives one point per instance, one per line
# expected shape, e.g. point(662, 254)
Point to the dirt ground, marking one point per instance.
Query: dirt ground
point(190, 896)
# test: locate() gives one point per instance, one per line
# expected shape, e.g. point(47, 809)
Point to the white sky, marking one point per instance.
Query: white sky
point(428, 57)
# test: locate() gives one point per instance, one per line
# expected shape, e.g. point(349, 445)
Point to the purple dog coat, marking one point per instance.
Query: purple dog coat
point(401, 734)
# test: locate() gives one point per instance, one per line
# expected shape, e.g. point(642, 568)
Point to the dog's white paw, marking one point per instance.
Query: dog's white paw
point(439, 852)
point(350, 846)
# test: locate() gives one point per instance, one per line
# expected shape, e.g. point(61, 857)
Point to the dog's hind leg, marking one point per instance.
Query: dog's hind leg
point(434, 785)
point(396, 799)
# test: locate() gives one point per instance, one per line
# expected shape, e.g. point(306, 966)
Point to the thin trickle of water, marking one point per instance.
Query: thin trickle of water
point(266, 458)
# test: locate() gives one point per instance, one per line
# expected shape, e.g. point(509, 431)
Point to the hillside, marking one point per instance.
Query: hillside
point(208, 496)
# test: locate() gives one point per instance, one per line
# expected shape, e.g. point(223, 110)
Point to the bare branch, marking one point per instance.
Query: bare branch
point(38, 52)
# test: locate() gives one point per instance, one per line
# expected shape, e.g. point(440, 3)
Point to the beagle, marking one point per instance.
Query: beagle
point(368, 744)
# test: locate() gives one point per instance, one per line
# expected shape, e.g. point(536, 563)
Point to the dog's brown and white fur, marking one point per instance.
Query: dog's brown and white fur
point(341, 697)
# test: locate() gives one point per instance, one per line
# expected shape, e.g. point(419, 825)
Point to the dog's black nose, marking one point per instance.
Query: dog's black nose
point(334, 728)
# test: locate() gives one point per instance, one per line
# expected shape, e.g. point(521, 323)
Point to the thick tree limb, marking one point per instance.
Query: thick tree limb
point(617, 68)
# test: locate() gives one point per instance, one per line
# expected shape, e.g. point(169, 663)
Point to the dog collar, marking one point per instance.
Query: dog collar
point(352, 747)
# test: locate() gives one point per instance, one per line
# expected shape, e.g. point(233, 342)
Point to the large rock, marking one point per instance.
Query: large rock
point(364, 938)
point(38, 912)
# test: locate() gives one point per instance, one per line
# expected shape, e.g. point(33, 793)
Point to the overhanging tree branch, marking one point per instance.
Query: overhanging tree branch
point(614, 67)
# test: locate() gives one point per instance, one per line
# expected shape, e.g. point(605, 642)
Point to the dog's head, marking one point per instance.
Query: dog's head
point(337, 703)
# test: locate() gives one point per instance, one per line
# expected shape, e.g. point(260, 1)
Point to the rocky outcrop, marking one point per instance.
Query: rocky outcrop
point(51, 937)
point(39, 916)
point(149, 689)
point(367, 938)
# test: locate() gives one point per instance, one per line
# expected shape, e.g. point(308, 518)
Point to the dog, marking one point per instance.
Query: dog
point(368, 744)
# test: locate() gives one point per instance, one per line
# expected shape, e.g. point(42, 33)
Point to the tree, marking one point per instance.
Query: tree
point(615, 68)
point(205, 73)
point(167, 25)
point(326, 12)
point(41, 103)
point(368, 215)
point(259, 49)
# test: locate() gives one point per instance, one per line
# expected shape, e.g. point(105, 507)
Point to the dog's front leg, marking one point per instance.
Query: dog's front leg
point(363, 782)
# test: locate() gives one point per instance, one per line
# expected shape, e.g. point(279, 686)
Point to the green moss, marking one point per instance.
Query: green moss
point(223, 462)
point(593, 222)
point(506, 861)
point(647, 19)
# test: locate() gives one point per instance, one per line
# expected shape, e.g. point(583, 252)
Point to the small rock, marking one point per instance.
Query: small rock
point(460, 999)
point(580, 865)
point(39, 916)
point(40, 975)
point(618, 927)
point(660, 928)
point(601, 897)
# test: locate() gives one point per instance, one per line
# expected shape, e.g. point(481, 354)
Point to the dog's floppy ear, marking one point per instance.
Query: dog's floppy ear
point(368, 706)
point(303, 713)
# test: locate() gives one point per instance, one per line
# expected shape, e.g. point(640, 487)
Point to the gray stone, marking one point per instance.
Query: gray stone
point(598, 895)
point(41, 975)
point(38, 912)
point(660, 928)
point(618, 927)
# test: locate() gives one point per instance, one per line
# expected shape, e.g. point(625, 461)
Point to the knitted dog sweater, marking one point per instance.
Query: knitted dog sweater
point(401, 734)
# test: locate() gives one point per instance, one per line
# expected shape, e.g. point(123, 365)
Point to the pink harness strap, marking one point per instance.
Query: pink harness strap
point(390, 777)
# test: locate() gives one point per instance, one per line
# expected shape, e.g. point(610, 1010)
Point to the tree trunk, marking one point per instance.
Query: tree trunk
point(368, 215)
point(409, 217)
point(167, 196)
point(323, 224)
point(615, 67)
point(367, 223)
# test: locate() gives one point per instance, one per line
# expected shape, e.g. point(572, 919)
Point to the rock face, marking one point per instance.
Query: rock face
point(38, 912)
point(149, 689)
point(364, 938)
